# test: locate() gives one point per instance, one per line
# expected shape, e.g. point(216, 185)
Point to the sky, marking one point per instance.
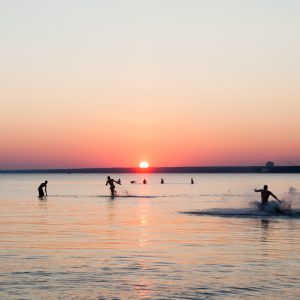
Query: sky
point(172, 82)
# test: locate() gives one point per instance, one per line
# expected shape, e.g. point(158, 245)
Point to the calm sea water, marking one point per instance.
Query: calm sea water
point(170, 241)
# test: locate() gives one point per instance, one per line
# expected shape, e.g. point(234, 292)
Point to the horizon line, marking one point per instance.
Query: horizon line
point(184, 169)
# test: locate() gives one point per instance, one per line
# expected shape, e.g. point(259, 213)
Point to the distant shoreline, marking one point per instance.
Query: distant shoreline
point(222, 169)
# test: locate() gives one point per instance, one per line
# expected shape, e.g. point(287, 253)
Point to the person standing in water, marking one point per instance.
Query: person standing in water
point(40, 189)
point(162, 181)
point(192, 181)
point(111, 181)
point(265, 194)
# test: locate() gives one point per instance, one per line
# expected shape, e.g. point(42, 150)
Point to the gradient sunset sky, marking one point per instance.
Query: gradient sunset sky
point(175, 83)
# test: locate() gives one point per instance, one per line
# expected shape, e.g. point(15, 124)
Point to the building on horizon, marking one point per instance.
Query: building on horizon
point(270, 164)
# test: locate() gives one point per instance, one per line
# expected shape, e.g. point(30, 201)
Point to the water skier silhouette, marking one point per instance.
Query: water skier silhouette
point(265, 194)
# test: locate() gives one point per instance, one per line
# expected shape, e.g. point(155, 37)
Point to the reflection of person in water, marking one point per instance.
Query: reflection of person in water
point(265, 228)
point(40, 189)
point(265, 194)
point(111, 181)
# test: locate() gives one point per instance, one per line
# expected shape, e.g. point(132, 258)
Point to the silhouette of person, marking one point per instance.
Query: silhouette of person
point(162, 181)
point(265, 194)
point(144, 181)
point(40, 189)
point(112, 187)
point(192, 181)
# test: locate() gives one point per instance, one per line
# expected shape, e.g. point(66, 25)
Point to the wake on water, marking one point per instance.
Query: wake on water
point(273, 208)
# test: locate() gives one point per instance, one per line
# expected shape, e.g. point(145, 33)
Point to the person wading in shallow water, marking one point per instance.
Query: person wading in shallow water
point(40, 189)
point(112, 187)
point(265, 194)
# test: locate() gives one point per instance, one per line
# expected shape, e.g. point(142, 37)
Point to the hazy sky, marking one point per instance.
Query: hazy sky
point(110, 83)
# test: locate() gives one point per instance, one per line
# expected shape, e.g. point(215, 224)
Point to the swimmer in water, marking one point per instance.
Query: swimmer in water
point(265, 194)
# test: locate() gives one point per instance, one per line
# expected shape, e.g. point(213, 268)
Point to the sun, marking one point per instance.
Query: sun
point(144, 165)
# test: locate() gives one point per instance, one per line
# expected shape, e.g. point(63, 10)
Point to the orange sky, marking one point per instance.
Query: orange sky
point(171, 83)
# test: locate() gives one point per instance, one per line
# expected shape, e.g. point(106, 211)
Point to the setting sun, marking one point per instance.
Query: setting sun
point(144, 165)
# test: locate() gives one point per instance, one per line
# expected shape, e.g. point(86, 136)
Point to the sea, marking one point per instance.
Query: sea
point(177, 240)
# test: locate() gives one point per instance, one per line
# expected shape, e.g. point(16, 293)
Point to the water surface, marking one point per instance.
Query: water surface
point(149, 243)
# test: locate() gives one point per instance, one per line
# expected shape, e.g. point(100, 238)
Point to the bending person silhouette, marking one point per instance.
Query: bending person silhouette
point(40, 189)
point(112, 187)
point(265, 194)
